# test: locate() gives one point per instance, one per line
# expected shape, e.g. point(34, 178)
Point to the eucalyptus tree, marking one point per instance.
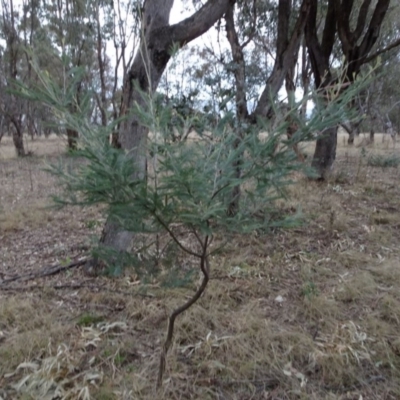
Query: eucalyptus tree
point(73, 36)
point(290, 23)
point(24, 34)
point(10, 105)
point(357, 25)
point(381, 102)
point(123, 24)
point(114, 26)
point(236, 70)
point(152, 57)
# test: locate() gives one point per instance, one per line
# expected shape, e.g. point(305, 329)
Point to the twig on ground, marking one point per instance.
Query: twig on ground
point(74, 287)
point(46, 271)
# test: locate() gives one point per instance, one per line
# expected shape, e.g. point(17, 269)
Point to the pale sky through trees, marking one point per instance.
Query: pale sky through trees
point(181, 10)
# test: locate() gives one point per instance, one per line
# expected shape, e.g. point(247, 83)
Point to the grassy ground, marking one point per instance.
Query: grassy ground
point(311, 313)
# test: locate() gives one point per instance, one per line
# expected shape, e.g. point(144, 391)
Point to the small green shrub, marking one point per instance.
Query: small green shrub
point(309, 290)
point(384, 161)
point(89, 319)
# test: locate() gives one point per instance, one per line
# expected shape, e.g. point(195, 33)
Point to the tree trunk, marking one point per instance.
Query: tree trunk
point(18, 143)
point(18, 137)
point(72, 137)
point(288, 44)
point(325, 152)
point(286, 54)
point(241, 103)
point(372, 135)
point(143, 77)
point(350, 140)
point(356, 45)
point(114, 141)
point(145, 72)
point(350, 128)
point(2, 124)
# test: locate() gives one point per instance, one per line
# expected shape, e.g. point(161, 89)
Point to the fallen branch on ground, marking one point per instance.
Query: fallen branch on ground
point(74, 287)
point(46, 271)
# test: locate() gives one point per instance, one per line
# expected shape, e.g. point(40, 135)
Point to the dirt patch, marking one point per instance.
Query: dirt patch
point(311, 313)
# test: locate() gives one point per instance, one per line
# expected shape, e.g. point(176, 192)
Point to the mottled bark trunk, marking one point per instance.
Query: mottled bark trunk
point(145, 74)
point(132, 136)
point(18, 143)
point(319, 52)
point(325, 152)
point(72, 139)
point(18, 137)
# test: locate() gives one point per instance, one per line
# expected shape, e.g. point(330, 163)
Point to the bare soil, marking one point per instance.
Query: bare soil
point(307, 313)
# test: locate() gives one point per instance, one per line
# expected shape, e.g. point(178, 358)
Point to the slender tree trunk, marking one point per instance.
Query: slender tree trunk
point(325, 152)
point(12, 41)
point(303, 110)
point(350, 128)
point(18, 137)
point(372, 135)
point(241, 103)
point(2, 124)
point(350, 140)
point(292, 127)
point(72, 138)
point(18, 143)
point(115, 141)
point(102, 100)
point(288, 44)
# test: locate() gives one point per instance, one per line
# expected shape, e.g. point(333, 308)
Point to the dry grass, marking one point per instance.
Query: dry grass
point(312, 313)
point(51, 146)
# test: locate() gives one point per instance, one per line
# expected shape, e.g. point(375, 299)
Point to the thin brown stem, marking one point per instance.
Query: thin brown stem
point(174, 238)
point(205, 269)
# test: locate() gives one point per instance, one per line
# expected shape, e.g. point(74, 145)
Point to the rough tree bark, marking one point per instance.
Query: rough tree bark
point(325, 151)
point(145, 73)
point(319, 53)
